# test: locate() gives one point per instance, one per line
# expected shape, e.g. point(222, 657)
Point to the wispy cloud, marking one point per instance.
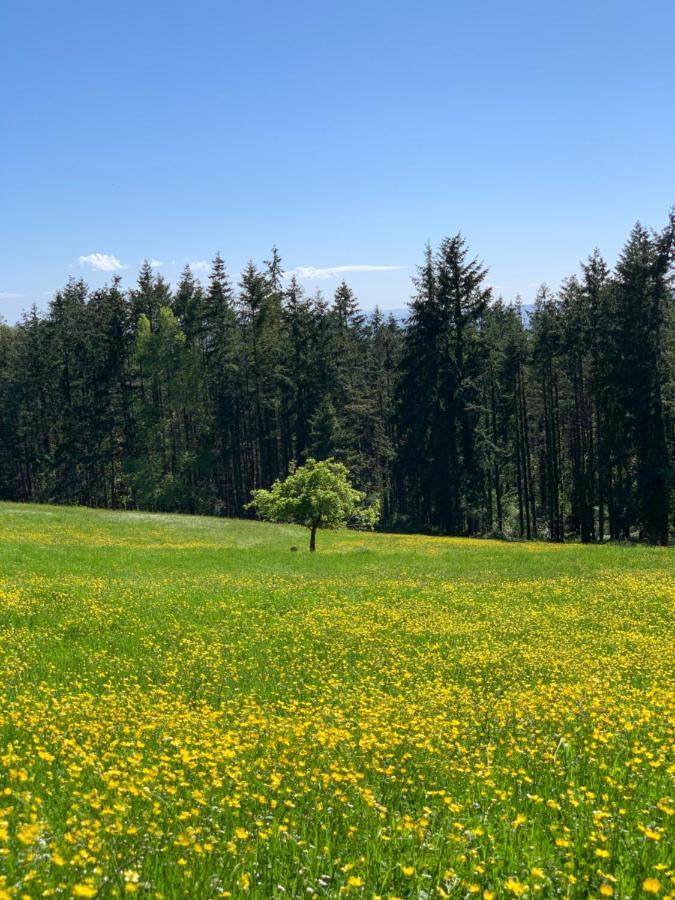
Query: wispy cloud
point(311, 272)
point(9, 295)
point(156, 263)
point(199, 265)
point(102, 262)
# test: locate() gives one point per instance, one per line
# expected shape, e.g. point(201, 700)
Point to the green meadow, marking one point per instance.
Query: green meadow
point(190, 709)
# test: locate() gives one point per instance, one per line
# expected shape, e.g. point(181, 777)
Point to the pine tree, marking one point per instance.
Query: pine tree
point(507, 428)
point(161, 468)
point(150, 295)
point(225, 383)
point(595, 281)
point(324, 431)
point(439, 387)
point(384, 338)
point(188, 307)
point(300, 327)
point(546, 350)
point(110, 328)
point(264, 343)
point(73, 478)
point(643, 297)
point(576, 363)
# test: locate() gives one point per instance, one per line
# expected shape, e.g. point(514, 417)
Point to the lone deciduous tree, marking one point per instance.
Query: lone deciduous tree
point(316, 495)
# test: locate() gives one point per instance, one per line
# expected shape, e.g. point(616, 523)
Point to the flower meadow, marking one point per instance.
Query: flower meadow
point(188, 709)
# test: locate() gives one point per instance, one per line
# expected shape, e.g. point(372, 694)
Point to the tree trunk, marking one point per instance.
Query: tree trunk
point(312, 539)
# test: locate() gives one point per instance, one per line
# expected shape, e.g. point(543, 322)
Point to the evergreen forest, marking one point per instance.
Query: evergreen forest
point(470, 416)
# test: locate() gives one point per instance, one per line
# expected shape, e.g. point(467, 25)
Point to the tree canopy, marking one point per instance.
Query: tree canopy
point(316, 495)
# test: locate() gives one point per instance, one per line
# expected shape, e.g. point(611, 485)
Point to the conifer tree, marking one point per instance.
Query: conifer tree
point(439, 387)
point(225, 382)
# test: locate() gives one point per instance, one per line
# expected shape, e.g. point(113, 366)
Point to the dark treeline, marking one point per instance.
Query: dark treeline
point(471, 418)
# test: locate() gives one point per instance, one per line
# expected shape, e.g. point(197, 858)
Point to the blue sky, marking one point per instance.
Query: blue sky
point(348, 133)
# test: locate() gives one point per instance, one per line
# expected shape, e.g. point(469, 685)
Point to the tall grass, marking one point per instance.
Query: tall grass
point(188, 709)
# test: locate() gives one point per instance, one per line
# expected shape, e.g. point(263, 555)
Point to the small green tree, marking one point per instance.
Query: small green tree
point(316, 495)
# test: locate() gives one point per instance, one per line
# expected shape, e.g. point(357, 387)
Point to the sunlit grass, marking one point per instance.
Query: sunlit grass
point(189, 709)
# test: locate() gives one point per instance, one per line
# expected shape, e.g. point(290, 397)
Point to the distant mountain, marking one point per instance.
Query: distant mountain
point(401, 313)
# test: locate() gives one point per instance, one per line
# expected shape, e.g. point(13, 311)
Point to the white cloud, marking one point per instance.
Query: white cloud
point(311, 272)
point(102, 262)
point(156, 263)
point(199, 265)
point(9, 295)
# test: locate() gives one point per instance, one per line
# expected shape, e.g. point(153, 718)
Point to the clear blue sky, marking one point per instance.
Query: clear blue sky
point(348, 133)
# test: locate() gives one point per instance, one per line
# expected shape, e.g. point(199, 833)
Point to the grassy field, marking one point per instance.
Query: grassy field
point(188, 709)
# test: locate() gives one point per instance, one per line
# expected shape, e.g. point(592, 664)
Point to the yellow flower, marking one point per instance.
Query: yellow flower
point(652, 835)
point(84, 890)
point(245, 881)
point(603, 854)
point(488, 895)
point(28, 834)
point(606, 890)
point(562, 842)
point(408, 871)
point(516, 888)
point(519, 820)
point(355, 881)
point(651, 885)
